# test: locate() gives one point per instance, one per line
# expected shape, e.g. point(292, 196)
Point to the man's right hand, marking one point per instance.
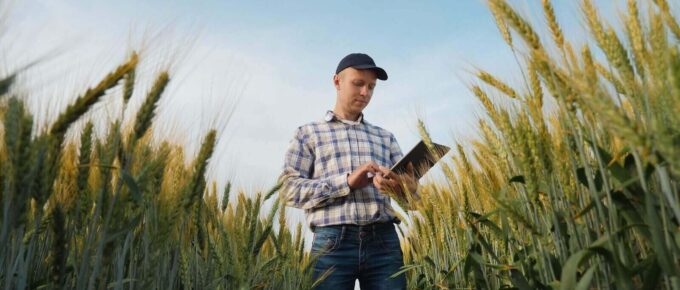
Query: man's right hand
point(359, 178)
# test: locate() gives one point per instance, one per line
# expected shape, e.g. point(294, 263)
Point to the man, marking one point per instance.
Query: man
point(337, 170)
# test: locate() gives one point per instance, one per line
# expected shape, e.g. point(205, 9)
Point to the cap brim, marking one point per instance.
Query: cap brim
point(380, 73)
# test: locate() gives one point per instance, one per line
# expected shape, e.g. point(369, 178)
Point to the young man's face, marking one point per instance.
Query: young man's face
point(355, 88)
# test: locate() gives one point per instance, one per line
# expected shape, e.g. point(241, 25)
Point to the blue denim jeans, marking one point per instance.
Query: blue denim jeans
point(370, 253)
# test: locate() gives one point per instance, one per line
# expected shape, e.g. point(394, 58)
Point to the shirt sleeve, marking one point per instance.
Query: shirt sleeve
point(395, 156)
point(298, 187)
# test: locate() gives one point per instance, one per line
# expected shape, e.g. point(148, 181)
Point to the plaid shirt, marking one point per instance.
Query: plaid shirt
point(318, 161)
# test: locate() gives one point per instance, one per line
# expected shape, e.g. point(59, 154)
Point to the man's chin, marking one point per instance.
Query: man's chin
point(359, 108)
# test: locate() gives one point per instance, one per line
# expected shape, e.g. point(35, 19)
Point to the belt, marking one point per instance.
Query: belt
point(372, 227)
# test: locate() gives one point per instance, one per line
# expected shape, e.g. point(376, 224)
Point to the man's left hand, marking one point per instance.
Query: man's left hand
point(391, 183)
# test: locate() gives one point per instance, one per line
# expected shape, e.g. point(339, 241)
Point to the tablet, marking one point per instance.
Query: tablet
point(421, 158)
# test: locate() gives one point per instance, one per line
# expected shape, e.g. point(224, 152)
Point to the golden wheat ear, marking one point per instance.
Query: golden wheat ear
point(147, 111)
point(90, 97)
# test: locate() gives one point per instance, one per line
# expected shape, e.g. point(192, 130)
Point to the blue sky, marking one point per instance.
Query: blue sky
point(269, 64)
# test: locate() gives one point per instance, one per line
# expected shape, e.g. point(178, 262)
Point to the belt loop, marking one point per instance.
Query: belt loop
point(342, 232)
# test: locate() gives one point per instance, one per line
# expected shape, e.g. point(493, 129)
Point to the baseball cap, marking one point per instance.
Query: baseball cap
point(361, 61)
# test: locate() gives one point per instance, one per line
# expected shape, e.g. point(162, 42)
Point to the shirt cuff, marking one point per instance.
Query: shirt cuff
point(339, 186)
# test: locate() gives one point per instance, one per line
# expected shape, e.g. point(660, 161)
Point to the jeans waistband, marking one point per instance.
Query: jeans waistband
point(374, 227)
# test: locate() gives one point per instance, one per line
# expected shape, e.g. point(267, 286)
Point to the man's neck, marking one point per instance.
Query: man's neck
point(345, 115)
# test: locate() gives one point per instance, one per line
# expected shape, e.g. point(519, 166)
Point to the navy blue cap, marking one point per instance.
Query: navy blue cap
point(361, 61)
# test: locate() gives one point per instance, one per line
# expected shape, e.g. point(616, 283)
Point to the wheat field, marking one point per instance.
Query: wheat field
point(572, 184)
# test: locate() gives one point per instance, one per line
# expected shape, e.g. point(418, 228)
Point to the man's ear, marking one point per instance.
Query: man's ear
point(336, 81)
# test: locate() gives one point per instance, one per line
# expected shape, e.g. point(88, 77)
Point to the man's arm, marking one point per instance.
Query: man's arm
point(298, 189)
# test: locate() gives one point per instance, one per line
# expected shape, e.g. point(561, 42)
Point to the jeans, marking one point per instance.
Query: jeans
point(370, 253)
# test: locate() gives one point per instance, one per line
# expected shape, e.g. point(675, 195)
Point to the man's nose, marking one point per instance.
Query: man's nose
point(364, 91)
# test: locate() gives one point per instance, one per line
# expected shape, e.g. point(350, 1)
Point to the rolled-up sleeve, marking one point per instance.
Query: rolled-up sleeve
point(298, 187)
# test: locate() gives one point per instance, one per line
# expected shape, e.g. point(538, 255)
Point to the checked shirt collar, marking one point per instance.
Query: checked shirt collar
point(331, 116)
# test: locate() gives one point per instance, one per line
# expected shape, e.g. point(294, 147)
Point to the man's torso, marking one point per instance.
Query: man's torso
point(340, 148)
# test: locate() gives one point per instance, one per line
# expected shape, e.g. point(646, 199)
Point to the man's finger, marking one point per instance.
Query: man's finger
point(372, 167)
point(377, 183)
point(369, 168)
point(386, 172)
point(387, 184)
point(382, 182)
point(393, 183)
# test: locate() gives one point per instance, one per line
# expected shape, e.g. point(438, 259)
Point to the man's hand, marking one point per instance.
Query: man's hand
point(391, 183)
point(360, 178)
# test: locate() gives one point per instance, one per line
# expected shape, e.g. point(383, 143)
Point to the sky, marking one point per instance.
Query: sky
point(256, 70)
